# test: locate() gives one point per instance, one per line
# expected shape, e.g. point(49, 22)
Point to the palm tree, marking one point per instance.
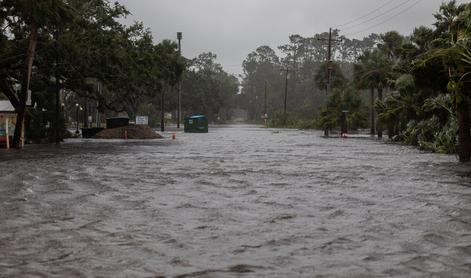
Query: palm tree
point(455, 56)
point(400, 107)
point(337, 81)
point(339, 101)
point(372, 72)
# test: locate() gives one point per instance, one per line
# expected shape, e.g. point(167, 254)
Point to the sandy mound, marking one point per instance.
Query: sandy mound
point(134, 132)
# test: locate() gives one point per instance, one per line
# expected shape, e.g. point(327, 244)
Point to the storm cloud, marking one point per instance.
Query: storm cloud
point(234, 28)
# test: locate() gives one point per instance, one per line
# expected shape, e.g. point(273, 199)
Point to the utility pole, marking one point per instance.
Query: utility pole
point(85, 113)
point(330, 67)
point(265, 109)
point(179, 112)
point(329, 61)
point(97, 110)
point(58, 90)
point(286, 94)
point(329, 71)
point(57, 112)
point(265, 101)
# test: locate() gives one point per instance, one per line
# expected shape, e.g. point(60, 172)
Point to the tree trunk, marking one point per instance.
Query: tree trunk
point(372, 112)
point(25, 82)
point(464, 138)
point(380, 126)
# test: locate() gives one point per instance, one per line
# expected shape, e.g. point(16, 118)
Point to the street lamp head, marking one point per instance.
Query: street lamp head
point(76, 105)
point(179, 35)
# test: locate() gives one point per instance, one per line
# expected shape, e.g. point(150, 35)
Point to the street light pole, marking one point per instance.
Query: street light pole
point(162, 113)
point(179, 112)
point(59, 83)
point(56, 127)
point(77, 119)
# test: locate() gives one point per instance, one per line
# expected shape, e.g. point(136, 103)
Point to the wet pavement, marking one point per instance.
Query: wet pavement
point(240, 201)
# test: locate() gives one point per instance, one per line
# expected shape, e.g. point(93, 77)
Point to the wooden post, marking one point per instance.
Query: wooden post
point(7, 133)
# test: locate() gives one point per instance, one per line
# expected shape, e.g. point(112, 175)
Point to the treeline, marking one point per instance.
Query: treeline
point(81, 49)
point(417, 86)
point(208, 89)
point(303, 58)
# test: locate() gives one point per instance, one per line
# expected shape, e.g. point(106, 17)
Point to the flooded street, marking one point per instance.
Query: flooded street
point(240, 201)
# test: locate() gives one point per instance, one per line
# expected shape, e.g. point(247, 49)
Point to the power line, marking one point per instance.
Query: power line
point(387, 20)
point(378, 16)
point(386, 3)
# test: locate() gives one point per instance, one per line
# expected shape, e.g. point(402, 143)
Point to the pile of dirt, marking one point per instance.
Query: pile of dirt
point(133, 132)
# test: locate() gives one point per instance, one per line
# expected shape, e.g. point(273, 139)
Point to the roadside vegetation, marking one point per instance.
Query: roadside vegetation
point(82, 49)
point(413, 88)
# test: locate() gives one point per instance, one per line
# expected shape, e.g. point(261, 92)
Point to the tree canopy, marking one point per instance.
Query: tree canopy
point(84, 43)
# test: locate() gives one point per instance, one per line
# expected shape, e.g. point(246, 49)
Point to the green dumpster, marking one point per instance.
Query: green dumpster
point(196, 124)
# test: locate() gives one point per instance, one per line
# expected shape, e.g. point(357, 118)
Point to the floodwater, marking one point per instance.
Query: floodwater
point(240, 201)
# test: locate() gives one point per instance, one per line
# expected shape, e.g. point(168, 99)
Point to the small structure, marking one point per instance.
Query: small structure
point(7, 122)
point(196, 124)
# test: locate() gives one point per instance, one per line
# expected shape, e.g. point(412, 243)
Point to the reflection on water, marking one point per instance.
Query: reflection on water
point(237, 202)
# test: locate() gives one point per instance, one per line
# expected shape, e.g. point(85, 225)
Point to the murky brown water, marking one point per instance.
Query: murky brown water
point(237, 202)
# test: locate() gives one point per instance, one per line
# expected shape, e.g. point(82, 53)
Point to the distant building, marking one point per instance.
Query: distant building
point(6, 107)
point(7, 121)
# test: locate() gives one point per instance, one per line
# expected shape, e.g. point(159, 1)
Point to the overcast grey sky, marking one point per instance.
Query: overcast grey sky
point(234, 28)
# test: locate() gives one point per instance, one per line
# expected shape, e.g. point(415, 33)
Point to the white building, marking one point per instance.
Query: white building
point(7, 122)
